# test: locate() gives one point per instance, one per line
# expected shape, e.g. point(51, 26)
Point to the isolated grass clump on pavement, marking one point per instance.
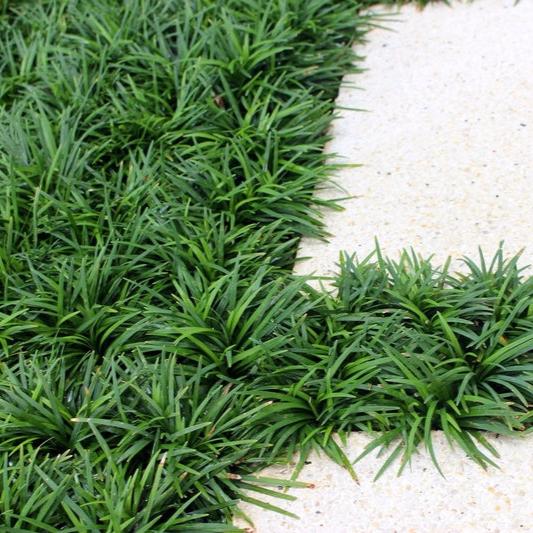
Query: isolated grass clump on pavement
point(157, 167)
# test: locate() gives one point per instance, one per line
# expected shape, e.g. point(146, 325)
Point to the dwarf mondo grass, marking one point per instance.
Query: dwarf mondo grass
point(158, 163)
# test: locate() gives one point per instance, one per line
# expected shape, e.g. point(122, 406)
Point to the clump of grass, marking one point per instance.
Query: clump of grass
point(419, 348)
point(158, 162)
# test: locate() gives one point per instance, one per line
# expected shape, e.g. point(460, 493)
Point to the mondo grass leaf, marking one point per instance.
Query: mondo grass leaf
point(268, 506)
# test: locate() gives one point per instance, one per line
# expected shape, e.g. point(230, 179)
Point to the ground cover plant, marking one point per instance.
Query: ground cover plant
point(157, 168)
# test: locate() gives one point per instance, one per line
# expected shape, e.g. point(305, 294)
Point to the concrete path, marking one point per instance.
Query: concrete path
point(447, 151)
point(446, 142)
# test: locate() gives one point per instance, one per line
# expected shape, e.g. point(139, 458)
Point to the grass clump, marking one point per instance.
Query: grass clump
point(417, 348)
point(157, 167)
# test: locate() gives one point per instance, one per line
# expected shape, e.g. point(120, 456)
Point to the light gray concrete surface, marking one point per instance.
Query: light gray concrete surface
point(468, 499)
point(446, 146)
point(446, 141)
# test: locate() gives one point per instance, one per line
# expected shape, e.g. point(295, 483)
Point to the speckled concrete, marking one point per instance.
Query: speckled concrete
point(468, 499)
point(447, 154)
point(446, 143)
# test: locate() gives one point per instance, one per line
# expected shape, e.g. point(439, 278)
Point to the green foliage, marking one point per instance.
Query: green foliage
point(158, 162)
point(418, 348)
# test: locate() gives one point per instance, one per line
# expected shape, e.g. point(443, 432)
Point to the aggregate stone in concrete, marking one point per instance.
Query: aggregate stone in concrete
point(445, 141)
point(446, 148)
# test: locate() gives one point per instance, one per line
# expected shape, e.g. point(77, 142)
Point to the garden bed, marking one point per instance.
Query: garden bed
point(158, 169)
